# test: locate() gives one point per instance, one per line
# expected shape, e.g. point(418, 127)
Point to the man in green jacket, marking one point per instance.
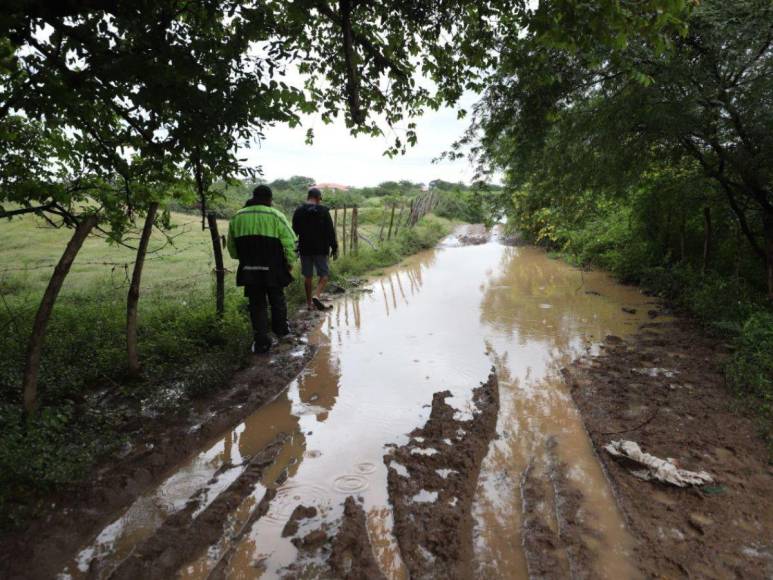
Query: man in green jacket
point(261, 238)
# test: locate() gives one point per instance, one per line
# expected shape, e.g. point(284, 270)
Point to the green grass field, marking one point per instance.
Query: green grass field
point(31, 249)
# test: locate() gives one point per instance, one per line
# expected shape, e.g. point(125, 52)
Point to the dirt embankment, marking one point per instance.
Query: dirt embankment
point(664, 389)
point(431, 483)
point(79, 512)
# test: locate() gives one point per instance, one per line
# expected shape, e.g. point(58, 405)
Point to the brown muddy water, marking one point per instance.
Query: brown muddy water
point(438, 321)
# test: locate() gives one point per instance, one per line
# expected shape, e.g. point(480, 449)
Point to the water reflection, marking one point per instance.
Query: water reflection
point(541, 315)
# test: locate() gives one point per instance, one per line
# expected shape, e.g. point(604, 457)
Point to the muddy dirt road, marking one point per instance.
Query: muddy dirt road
point(395, 453)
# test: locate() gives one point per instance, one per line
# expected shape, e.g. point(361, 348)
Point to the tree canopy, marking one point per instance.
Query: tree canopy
point(600, 119)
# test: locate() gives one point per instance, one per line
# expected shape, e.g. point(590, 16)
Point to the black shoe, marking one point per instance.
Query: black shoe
point(260, 349)
point(319, 305)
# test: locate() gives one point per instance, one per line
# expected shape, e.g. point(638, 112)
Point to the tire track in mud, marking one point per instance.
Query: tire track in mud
point(541, 544)
point(432, 480)
point(184, 534)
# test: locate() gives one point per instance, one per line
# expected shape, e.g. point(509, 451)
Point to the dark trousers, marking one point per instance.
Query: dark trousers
point(260, 297)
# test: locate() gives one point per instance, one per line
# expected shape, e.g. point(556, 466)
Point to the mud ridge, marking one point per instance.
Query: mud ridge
point(431, 483)
point(473, 235)
point(541, 544)
point(184, 534)
point(664, 389)
point(572, 528)
point(346, 554)
point(78, 513)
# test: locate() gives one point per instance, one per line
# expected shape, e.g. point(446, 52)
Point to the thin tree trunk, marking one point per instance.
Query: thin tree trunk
point(217, 248)
point(335, 219)
point(35, 345)
point(410, 215)
point(706, 238)
point(682, 228)
point(391, 223)
point(133, 298)
point(343, 233)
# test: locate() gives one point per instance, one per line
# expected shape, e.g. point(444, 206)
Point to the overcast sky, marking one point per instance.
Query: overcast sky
point(338, 157)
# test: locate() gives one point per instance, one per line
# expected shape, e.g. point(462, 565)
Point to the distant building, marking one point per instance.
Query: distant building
point(331, 186)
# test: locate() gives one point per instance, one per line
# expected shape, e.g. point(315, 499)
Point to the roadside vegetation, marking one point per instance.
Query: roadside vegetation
point(653, 163)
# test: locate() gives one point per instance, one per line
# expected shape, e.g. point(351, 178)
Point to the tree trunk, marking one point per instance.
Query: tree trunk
point(682, 228)
point(133, 298)
point(767, 224)
point(706, 238)
point(35, 346)
point(217, 248)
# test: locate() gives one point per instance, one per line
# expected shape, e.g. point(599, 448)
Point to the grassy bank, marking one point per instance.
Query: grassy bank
point(90, 409)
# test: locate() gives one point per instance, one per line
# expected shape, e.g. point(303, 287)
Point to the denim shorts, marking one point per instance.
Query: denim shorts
point(311, 263)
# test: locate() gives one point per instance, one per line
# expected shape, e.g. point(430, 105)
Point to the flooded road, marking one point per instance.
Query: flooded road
point(439, 321)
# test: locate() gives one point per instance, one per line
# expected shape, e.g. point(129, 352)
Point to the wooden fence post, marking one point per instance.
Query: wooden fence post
point(399, 219)
point(383, 223)
point(391, 222)
point(343, 233)
point(353, 239)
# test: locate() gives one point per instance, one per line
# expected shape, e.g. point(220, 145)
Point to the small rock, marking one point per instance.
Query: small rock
point(699, 521)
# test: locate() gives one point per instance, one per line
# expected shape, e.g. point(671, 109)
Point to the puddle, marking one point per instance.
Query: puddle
point(439, 321)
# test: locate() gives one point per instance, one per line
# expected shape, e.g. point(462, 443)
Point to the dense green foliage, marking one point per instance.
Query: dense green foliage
point(653, 164)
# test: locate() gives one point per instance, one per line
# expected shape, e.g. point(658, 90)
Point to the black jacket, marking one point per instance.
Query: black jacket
point(314, 226)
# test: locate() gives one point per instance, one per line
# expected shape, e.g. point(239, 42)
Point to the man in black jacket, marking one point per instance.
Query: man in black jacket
point(316, 241)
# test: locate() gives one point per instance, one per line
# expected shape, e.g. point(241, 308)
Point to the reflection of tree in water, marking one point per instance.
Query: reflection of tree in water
point(542, 299)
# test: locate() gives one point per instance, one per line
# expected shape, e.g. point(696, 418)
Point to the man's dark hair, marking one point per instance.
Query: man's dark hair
point(314, 193)
point(262, 194)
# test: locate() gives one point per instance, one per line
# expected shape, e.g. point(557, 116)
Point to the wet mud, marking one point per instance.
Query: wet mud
point(432, 480)
point(196, 526)
point(343, 553)
point(77, 512)
point(472, 235)
point(664, 389)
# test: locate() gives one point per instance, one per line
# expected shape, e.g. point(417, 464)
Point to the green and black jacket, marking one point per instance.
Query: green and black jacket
point(261, 238)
